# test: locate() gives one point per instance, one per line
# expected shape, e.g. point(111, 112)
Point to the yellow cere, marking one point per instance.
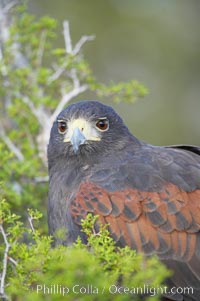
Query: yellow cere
point(87, 128)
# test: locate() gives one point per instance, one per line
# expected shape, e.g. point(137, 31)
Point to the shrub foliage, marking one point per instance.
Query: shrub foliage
point(37, 81)
point(99, 270)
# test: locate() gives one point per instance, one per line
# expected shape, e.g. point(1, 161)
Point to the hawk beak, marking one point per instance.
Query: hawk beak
point(77, 139)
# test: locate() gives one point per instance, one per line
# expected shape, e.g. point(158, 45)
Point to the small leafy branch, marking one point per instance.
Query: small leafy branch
point(6, 218)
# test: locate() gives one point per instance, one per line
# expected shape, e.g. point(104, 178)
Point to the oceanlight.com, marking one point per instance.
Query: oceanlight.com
point(89, 289)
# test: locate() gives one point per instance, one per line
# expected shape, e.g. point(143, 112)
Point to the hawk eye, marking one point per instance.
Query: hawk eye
point(62, 126)
point(102, 124)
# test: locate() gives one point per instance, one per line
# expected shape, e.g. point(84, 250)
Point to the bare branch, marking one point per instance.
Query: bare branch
point(12, 261)
point(66, 98)
point(31, 224)
point(41, 47)
point(30, 104)
point(3, 67)
point(43, 119)
point(9, 6)
point(12, 147)
point(75, 51)
point(59, 70)
point(67, 37)
point(39, 112)
point(41, 179)
point(57, 74)
point(81, 42)
point(77, 89)
point(5, 263)
point(75, 78)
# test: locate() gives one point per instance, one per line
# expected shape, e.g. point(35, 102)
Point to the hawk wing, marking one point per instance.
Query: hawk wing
point(152, 204)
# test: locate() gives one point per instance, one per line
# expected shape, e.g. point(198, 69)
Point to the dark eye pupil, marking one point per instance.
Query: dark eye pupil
point(62, 126)
point(102, 124)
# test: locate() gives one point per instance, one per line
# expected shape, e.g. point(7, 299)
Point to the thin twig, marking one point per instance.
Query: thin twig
point(13, 261)
point(75, 78)
point(57, 74)
point(66, 98)
point(67, 37)
point(5, 263)
point(77, 89)
point(31, 224)
point(12, 147)
point(41, 179)
point(81, 42)
point(30, 104)
point(75, 51)
point(40, 52)
point(9, 6)
point(39, 113)
point(3, 68)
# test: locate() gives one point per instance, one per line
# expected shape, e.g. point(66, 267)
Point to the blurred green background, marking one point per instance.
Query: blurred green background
point(154, 41)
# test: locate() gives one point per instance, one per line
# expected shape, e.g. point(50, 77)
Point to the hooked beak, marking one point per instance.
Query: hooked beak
point(80, 131)
point(77, 139)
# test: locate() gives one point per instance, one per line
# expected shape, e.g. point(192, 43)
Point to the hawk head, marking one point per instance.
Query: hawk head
point(87, 128)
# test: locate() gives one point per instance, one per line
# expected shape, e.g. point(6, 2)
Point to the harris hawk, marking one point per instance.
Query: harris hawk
point(148, 195)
